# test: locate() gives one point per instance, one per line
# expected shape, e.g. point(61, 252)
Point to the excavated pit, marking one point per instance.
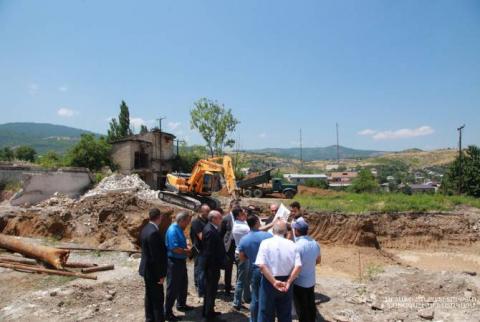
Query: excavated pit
point(400, 230)
point(115, 219)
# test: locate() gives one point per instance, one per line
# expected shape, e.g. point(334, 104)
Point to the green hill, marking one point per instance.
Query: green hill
point(325, 153)
point(42, 137)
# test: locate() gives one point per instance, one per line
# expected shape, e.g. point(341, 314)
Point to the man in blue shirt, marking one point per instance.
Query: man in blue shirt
point(248, 249)
point(304, 285)
point(177, 278)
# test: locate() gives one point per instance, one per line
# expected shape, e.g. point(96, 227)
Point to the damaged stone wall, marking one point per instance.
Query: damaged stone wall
point(41, 184)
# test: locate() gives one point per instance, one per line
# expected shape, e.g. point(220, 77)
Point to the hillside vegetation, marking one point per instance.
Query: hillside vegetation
point(42, 137)
point(361, 203)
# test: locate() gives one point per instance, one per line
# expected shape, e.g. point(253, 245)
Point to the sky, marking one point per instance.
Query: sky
point(393, 74)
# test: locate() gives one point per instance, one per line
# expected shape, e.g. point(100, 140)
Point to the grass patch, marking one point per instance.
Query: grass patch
point(360, 203)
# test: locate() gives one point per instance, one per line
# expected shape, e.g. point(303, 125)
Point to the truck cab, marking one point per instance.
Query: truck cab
point(289, 190)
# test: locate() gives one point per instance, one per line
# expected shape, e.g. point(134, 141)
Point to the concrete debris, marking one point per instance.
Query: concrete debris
point(427, 314)
point(123, 183)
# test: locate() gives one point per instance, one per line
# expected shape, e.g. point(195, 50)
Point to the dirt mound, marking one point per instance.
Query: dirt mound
point(113, 220)
point(408, 230)
point(342, 229)
point(316, 192)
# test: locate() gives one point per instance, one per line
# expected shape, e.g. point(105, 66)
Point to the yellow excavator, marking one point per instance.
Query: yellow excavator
point(196, 189)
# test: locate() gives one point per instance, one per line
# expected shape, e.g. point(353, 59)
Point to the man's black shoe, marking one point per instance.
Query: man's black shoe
point(185, 308)
point(172, 318)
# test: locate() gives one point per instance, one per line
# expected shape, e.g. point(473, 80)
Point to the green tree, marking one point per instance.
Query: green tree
point(143, 129)
point(120, 128)
point(90, 152)
point(188, 156)
point(51, 159)
point(6, 154)
point(26, 153)
point(463, 174)
point(364, 182)
point(215, 123)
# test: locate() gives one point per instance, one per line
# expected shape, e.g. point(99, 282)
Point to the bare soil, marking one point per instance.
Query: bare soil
point(384, 267)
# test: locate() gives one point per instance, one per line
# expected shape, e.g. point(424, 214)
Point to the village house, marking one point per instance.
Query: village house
point(341, 179)
point(150, 155)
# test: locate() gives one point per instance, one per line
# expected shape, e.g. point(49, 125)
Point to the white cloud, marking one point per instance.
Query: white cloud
point(63, 88)
point(262, 135)
point(398, 134)
point(66, 112)
point(173, 125)
point(33, 89)
point(367, 132)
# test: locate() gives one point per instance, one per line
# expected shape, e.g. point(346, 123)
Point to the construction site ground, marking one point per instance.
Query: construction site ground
point(382, 267)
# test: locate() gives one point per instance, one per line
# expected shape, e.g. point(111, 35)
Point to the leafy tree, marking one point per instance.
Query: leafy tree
point(121, 128)
point(215, 123)
point(463, 175)
point(51, 159)
point(188, 156)
point(90, 152)
point(143, 129)
point(6, 154)
point(364, 182)
point(26, 153)
point(316, 183)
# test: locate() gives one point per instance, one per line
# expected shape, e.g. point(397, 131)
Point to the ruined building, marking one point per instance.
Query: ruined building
point(151, 155)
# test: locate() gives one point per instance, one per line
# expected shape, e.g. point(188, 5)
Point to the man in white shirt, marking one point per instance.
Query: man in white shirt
point(242, 289)
point(280, 265)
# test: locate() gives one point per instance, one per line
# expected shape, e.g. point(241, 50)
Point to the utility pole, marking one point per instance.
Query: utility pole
point(301, 151)
point(160, 122)
point(460, 157)
point(338, 147)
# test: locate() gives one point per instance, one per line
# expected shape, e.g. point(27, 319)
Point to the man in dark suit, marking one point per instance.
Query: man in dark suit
point(153, 265)
point(229, 243)
point(214, 253)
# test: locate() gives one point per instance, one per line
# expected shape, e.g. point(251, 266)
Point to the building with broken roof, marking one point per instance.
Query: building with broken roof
point(151, 155)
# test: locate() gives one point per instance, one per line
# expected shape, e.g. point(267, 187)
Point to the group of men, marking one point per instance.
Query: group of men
point(275, 263)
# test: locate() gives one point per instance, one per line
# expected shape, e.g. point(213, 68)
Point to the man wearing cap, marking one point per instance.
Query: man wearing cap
point(280, 265)
point(304, 285)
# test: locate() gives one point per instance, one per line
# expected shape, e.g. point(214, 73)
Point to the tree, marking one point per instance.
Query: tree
point(6, 154)
point(143, 129)
point(121, 128)
point(463, 174)
point(51, 159)
point(365, 182)
point(188, 156)
point(215, 123)
point(25, 153)
point(90, 152)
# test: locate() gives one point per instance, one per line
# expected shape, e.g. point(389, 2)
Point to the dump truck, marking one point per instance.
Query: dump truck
point(263, 184)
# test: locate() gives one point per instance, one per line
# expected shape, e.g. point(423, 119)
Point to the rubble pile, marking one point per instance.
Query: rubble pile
point(123, 183)
point(58, 199)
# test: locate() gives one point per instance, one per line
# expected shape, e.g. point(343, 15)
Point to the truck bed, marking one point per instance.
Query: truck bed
point(263, 177)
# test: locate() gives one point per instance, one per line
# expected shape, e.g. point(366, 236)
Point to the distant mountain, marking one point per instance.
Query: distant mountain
point(42, 137)
point(325, 153)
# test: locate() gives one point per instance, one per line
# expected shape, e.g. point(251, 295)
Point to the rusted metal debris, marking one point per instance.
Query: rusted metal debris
point(38, 269)
point(52, 256)
point(98, 269)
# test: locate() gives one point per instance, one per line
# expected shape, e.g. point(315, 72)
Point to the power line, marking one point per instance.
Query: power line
point(338, 146)
point(301, 150)
point(460, 158)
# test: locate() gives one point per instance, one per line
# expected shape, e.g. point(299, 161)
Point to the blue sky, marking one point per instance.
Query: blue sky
point(393, 74)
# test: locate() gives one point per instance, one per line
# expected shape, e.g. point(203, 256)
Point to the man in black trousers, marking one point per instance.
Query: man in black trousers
point(229, 244)
point(153, 265)
point(214, 253)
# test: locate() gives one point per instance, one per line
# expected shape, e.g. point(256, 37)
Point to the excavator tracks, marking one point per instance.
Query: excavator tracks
point(189, 202)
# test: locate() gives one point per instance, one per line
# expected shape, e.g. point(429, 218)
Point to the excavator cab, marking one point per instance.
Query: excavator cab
point(206, 177)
